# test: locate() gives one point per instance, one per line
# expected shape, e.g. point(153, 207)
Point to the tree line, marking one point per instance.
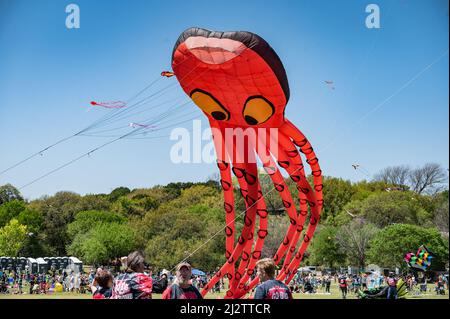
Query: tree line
point(364, 222)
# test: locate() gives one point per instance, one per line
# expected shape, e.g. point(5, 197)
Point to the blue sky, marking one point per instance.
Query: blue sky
point(48, 75)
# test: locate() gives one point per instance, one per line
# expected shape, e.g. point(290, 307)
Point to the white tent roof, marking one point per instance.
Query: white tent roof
point(75, 260)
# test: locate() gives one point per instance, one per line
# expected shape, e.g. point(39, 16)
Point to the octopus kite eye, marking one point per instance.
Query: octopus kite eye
point(210, 105)
point(257, 110)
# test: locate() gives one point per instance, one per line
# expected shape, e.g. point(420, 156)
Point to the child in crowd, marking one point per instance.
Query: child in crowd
point(104, 280)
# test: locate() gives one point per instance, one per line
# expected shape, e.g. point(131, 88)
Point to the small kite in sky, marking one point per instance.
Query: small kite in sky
point(167, 74)
point(135, 125)
point(110, 105)
point(330, 84)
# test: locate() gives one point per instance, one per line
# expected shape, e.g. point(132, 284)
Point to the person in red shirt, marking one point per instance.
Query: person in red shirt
point(343, 286)
point(182, 288)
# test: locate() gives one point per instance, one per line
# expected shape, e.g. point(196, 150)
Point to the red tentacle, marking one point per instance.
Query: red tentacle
point(247, 176)
point(247, 232)
point(226, 183)
point(306, 148)
point(280, 185)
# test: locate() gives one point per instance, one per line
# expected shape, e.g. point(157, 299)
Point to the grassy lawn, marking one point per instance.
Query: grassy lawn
point(335, 294)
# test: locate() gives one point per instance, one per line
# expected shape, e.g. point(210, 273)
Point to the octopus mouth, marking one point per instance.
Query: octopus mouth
point(214, 50)
point(216, 47)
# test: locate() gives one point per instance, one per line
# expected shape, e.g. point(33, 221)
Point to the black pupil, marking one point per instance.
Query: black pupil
point(218, 115)
point(250, 120)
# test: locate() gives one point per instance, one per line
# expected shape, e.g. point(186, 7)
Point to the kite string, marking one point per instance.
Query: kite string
point(386, 100)
point(102, 119)
point(169, 111)
point(63, 139)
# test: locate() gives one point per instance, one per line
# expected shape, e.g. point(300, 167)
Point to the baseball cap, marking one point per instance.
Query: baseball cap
point(183, 264)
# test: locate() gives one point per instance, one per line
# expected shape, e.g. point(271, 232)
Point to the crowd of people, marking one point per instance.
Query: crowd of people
point(135, 281)
point(21, 282)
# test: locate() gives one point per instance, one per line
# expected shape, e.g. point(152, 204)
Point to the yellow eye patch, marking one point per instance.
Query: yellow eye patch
point(257, 110)
point(210, 105)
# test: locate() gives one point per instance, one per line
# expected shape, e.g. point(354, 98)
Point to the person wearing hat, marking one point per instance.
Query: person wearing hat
point(134, 283)
point(161, 285)
point(182, 288)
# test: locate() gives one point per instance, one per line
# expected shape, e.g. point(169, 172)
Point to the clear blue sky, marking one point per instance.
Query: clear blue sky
point(48, 75)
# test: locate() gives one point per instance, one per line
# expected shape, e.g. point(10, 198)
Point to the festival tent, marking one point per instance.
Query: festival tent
point(198, 272)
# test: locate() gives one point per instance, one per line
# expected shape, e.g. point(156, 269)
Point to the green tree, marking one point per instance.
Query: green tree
point(12, 238)
point(32, 219)
point(385, 208)
point(118, 192)
point(325, 249)
point(336, 194)
point(103, 242)
point(9, 193)
point(390, 245)
point(57, 211)
point(354, 238)
point(10, 210)
point(364, 189)
point(86, 220)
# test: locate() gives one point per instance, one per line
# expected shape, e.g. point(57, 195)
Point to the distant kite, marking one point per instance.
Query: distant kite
point(167, 74)
point(110, 105)
point(355, 166)
point(330, 84)
point(135, 125)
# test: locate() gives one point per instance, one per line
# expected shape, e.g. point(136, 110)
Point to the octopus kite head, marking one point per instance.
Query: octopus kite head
point(235, 78)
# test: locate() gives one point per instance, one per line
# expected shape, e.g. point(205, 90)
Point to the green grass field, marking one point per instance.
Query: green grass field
point(335, 294)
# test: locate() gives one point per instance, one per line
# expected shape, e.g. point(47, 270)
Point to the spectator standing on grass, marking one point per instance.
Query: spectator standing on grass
point(364, 281)
point(270, 288)
point(77, 282)
point(343, 286)
point(327, 284)
point(160, 285)
point(182, 287)
point(134, 283)
point(445, 279)
point(392, 289)
point(71, 282)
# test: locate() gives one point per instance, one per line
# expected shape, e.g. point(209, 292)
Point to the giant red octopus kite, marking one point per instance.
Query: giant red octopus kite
point(239, 82)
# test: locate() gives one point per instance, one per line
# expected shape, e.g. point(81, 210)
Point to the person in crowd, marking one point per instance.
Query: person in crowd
point(392, 289)
point(364, 281)
point(160, 285)
point(343, 285)
point(270, 288)
point(327, 284)
point(445, 278)
point(217, 286)
point(182, 287)
point(440, 287)
point(134, 283)
point(104, 280)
